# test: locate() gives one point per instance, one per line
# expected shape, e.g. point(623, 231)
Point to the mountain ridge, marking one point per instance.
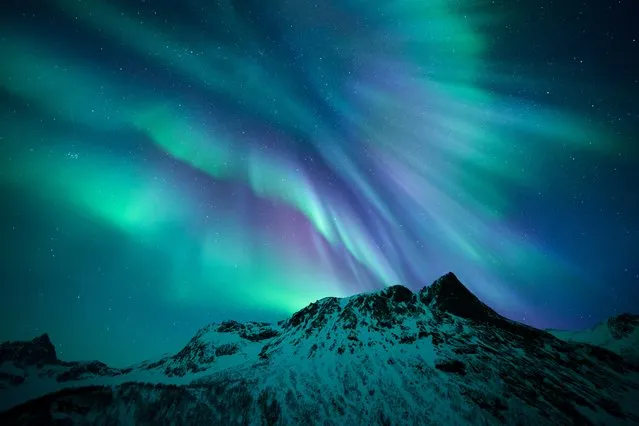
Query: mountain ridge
point(436, 356)
point(619, 334)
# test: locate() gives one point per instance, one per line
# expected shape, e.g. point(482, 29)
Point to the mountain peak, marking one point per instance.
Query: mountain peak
point(385, 357)
point(39, 350)
point(448, 294)
point(623, 325)
point(398, 293)
point(43, 340)
point(390, 304)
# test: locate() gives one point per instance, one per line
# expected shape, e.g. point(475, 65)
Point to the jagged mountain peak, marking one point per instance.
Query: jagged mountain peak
point(380, 308)
point(314, 314)
point(398, 293)
point(39, 350)
point(448, 294)
point(439, 356)
point(391, 304)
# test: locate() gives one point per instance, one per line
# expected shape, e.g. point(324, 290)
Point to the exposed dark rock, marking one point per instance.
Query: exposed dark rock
point(67, 401)
point(452, 366)
point(87, 369)
point(494, 405)
point(448, 294)
point(398, 294)
point(348, 318)
point(226, 349)
point(269, 407)
point(312, 350)
point(622, 325)
point(303, 315)
point(407, 340)
point(11, 379)
point(39, 351)
point(314, 316)
point(230, 327)
point(260, 335)
point(155, 364)
point(264, 352)
point(471, 349)
point(328, 306)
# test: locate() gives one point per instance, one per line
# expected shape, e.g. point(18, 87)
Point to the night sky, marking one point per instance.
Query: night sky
point(166, 164)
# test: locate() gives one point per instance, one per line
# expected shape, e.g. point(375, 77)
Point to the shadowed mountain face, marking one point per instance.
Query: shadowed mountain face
point(38, 351)
point(439, 356)
point(448, 294)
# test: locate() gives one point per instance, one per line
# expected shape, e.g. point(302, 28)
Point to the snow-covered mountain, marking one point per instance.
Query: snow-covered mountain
point(619, 334)
point(439, 356)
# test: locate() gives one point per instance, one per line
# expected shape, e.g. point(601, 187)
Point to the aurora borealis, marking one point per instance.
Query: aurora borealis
point(166, 166)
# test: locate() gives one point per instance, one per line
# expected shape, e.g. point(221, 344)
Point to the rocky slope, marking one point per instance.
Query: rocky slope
point(439, 356)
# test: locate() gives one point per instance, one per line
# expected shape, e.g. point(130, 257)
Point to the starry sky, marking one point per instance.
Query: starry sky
point(164, 165)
